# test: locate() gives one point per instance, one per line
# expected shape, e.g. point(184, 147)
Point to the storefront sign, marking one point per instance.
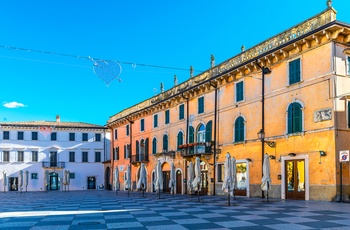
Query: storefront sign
point(344, 155)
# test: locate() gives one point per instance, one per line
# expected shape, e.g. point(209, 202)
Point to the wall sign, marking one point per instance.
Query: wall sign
point(344, 156)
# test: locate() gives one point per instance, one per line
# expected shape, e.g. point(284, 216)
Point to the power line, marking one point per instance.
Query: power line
point(92, 59)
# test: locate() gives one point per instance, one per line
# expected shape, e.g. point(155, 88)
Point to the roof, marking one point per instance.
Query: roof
point(53, 124)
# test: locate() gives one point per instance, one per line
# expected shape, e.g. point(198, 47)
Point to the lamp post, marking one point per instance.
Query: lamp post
point(261, 134)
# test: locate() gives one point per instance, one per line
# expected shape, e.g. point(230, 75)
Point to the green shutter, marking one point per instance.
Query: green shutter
point(294, 71)
point(239, 91)
point(182, 112)
point(191, 135)
point(297, 118)
point(208, 131)
point(154, 146)
point(239, 129)
point(179, 139)
point(290, 118)
point(201, 105)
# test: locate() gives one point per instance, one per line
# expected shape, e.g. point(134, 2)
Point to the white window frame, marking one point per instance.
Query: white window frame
point(142, 119)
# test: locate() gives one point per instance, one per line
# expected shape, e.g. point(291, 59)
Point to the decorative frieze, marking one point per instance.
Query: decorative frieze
point(323, 115)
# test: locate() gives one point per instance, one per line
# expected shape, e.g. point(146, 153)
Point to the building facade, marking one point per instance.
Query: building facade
point(288, 96)
point(47, 156)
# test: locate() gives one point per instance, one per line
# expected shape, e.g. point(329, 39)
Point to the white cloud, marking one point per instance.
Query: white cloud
point(13, 105)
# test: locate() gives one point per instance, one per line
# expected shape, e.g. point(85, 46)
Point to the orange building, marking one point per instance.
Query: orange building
point(288, 96)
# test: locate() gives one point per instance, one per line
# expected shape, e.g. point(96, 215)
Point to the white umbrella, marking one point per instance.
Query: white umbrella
point(142, 183)
point(190, 178)
point(227, 183)
point(20, 181)
point(116, 174)
point(127, 184)
point(172, 178)
point(65, 178)
point(4, 179)
point(197, 173)
point(234, 174)
point(46, 179)
point(159, 178)
point(266, 179)
point(26, 179)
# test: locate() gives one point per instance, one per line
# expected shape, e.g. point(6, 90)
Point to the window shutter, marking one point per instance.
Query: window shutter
point(191, 135)
point(239, 129)
point(182, 112)
point(146, 146)
point(208, 131)
point(154, 146)
point(290, 118)
point(297, 121)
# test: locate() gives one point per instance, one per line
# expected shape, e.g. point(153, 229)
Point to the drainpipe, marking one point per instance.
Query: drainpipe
point(215, 119)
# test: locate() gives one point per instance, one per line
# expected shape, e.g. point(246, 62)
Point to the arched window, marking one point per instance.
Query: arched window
point(154, 146)
point(239, 129)
point(165, 142)
point(180, 139)
point(201, 133)
point(295, 118)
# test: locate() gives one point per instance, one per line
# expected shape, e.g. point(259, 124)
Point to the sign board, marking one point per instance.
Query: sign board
point(344, 155)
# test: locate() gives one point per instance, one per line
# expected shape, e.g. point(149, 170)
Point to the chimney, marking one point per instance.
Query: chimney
point(58, 119)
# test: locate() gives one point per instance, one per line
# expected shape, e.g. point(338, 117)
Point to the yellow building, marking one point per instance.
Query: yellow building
point(288, 96)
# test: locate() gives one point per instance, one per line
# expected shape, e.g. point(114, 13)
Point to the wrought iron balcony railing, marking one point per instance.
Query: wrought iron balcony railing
point(192, 149)
point(53, 164)
point(139, 158)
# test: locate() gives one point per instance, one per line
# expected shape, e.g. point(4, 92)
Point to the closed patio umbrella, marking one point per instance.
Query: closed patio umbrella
point(190, 178)
point(142, 183)
point(234, 175)
point(227, 185)
point(158, 184)
point(197, 179)
point(26, 179)
point(172, 178)
point(266, 179)
point(127, 184)
point(68, 179)
point(46, 180)
point(20, 180)
point(116, 179)
point(4, 179)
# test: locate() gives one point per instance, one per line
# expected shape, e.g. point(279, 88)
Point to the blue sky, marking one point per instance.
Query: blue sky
point(180, 34)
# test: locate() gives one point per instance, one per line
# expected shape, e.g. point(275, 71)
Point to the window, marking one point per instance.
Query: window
point(53, 136)
point(294, 71)
point(165, 143)
point(142, 125)
point(221, 172)
point(127, 130)
point(6, 135)
point(239, 129)
point(349, 114)
point(126, 151)
point(181, 112)
point(167, 117)
point(116, 134)
point(85, 137)
point(239, 91)
point(34, 176)
point(71, 175)
point(154, 146)
point(6, 156)
point(85, 157)
point(180, 139)
point(295, 117)
point(20, 156)
point(97, 156)
point(71, 156)
point(97, 136)
point(200, 105)
point(34, 136)
point(71, 136)
point(34, 156)
point(348, 64)
point(20, 135)
point(116, 153)
point(155, 120)
point(191, 134)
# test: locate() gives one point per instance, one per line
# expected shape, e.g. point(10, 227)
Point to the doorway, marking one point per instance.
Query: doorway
point(91, 180)
point(295, 179)
point(13, 183)
point(178, 182)
point(54, 181)
point(241, 177)
point(166, 179)
point(204, 178)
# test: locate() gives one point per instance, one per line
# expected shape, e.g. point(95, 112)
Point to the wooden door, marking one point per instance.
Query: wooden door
point(295, 179)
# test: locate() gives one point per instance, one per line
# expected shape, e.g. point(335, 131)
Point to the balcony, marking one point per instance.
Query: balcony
point(139, 158)
point(53, 164)
point(166, 153)
point(196, 149)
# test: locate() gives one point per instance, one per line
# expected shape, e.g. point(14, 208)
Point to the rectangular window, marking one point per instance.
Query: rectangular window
point(34, 176)
point(20, 135)
point(348, 65)
point(20, 156)
point(6, 156)
point(349, 114)
point(116, 153)
point(85, 157)
point(34, 156)
point(127, 130)
point(200, 105)
point(294, 71)
point(155, 120)
point(142, 125)
point(167, 117)
point(71, 136)
point(71, 156)
point(34, 136)
point(53, 136)
point(181, 112)
point(221, 172)
point(116, 134)
point(6, 135)
point(71, 175)
point(85, 137)
point(240, 91)
point(97, 156)
point(97, 136)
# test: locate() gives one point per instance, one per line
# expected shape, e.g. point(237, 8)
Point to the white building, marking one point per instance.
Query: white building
point(44, 155)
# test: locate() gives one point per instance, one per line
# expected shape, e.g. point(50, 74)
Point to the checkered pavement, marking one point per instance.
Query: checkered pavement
point(111, 210)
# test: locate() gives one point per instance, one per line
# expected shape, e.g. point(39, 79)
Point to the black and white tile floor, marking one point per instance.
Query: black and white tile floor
point(108, 210)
